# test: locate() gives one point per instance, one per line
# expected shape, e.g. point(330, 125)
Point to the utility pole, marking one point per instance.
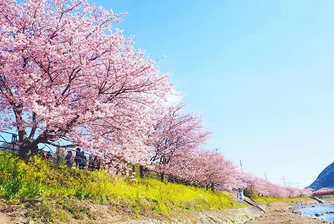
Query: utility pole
point(284, 181)
point(265, 175)
point(241, 166)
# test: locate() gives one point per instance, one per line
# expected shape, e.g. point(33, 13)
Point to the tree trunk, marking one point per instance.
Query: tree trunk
point(27, 148)
point(58, 160)
point(27, 151)
point(213, 186)
point(141, 171)
point(162, 177)
point(24, 153)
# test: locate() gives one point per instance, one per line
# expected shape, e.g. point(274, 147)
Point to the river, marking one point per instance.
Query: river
point(325, 212)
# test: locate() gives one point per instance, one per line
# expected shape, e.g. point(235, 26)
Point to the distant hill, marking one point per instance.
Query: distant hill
point(325, 178)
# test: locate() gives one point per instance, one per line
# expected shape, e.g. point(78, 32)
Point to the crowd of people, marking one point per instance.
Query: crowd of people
point(79, 160)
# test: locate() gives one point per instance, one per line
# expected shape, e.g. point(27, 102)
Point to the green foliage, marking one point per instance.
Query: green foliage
point(44, 211)
point(42, 181)
point(16, 182)
point(327, 197)
point(250, 193)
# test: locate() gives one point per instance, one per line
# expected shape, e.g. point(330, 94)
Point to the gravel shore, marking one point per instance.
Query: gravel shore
point(278, 213)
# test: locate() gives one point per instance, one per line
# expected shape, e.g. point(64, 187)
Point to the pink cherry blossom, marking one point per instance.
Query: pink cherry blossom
point(67, 74)
point(69, 77)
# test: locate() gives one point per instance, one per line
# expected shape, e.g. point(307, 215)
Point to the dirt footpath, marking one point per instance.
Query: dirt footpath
point(4, 218)
point(278, 213)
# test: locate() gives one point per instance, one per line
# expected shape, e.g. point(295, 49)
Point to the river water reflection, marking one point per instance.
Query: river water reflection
point(325, 212)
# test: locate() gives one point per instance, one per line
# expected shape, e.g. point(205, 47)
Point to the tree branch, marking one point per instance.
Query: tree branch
point(34, 127)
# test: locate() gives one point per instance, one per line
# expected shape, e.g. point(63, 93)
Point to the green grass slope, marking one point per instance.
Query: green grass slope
point(53, 193)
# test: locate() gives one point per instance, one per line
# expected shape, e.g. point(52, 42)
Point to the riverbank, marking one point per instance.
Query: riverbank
point(89, 212)
point(324, 211)
point(101, 214)
point(279, 213)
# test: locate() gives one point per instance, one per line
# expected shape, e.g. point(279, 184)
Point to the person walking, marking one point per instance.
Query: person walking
point(69, 159)
point(45, 157)
point(59, 154)
point(83, 160)
point(49, 156)
point(91, 162)
point(77, 158)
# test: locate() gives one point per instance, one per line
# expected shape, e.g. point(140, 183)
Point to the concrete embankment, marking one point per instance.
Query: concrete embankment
point(251, 214)
point(227, 216)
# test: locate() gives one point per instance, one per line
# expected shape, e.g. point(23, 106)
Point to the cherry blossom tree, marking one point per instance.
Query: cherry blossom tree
point(66, 74)
point(265, 188)
point(205, 168)
point(174, 133)
point(68, 77)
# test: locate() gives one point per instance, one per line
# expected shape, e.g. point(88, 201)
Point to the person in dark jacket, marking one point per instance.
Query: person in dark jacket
point(48, 156)
point(91, 162)
point(77, 158)
point(83, 160)
point(69, 159)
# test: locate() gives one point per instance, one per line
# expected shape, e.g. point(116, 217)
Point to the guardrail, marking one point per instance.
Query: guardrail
point(8, 141)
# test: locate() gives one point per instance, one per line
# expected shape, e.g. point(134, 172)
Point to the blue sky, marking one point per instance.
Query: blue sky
point(259, 72)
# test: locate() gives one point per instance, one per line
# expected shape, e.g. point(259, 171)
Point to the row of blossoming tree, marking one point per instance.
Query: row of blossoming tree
point(69, 78)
